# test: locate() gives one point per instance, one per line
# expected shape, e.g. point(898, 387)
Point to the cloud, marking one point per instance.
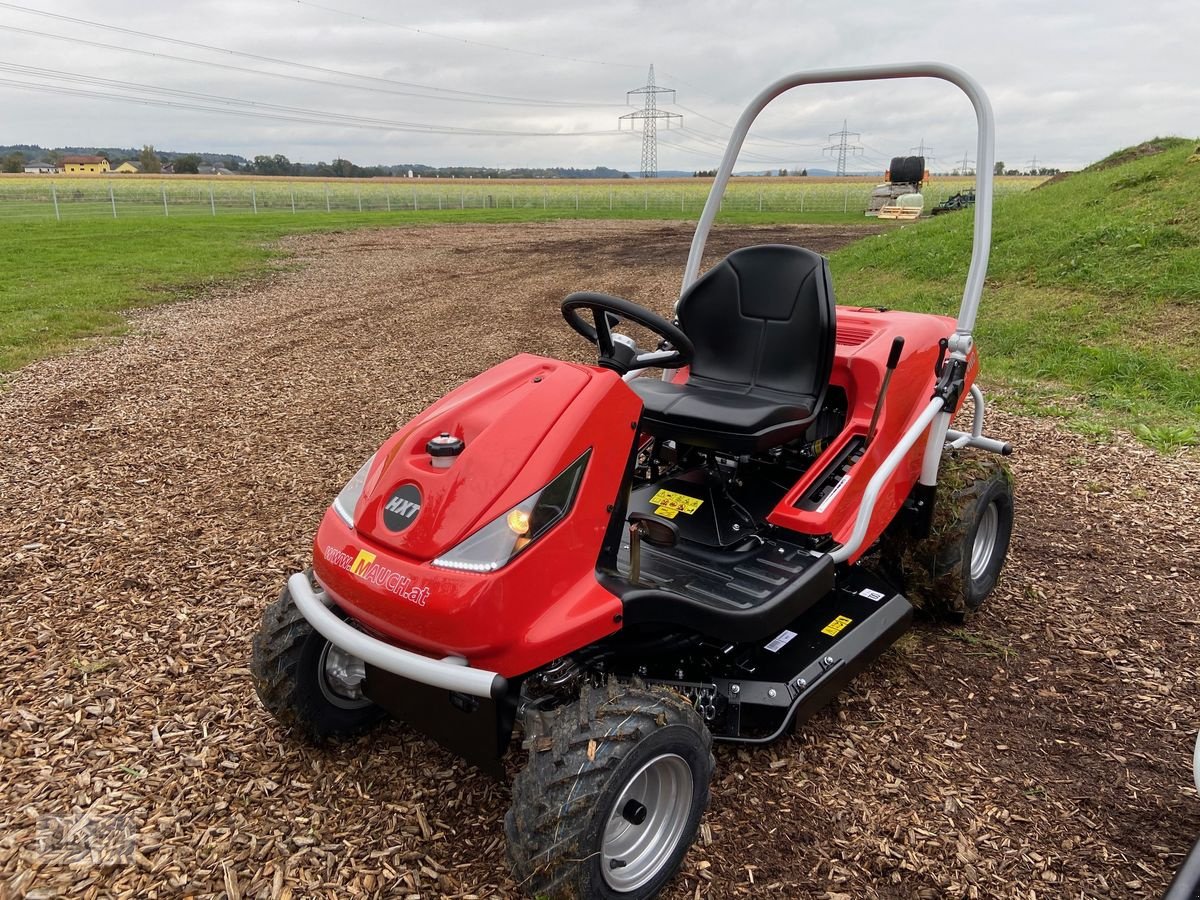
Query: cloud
point(1068, 86)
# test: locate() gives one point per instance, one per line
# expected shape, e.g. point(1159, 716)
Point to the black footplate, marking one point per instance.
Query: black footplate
point(729, 594)
point(753, 691)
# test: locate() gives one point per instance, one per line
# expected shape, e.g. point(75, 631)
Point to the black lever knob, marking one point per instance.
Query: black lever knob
point(943, 345)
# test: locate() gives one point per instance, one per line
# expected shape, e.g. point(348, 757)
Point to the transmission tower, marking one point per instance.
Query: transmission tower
point(843, 147)
point(649, 116)
point(1033, 165)
point(922, 150)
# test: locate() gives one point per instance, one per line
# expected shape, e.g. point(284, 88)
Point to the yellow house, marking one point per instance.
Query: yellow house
point(129, 168)
point(84, 165)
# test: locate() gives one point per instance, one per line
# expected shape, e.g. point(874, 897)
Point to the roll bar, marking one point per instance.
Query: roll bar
point(985, 156)
point(935, 418)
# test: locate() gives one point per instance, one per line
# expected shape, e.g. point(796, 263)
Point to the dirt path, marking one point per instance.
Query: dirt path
point(156, 493)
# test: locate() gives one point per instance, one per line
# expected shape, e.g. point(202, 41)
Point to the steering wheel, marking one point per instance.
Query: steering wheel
point(617, 351)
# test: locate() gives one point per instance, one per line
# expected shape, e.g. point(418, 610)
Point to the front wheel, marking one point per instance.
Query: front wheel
point(304, 681)
point(953, 570)
point(611, 797)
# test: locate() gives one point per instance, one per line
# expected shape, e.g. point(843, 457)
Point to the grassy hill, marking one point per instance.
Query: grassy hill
point(1092, 305)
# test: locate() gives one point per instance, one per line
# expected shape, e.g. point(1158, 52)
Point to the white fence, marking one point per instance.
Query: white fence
point(71, 199)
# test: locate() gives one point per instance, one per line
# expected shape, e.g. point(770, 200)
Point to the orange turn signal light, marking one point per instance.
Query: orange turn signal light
point(518, 522)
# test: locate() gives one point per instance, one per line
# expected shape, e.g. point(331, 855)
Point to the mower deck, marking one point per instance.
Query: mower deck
point(752, 691)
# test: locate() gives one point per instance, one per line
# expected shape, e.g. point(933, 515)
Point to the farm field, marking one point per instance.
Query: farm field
point(63, 198)
point(162, 486)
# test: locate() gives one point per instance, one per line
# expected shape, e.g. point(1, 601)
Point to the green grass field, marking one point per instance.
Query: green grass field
point(1092, 310)
point(28, 198)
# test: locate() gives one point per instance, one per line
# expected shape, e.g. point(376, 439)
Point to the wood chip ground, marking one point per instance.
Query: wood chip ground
point(157, 491)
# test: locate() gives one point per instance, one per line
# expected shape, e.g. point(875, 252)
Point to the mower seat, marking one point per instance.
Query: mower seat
point(763, 324)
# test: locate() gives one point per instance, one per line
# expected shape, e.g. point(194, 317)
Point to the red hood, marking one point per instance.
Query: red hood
point(504, 418)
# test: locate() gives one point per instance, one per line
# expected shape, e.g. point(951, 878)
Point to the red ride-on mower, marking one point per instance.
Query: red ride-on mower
point(631, 567)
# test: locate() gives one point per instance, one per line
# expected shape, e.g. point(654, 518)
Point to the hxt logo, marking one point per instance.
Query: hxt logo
point(402, 507)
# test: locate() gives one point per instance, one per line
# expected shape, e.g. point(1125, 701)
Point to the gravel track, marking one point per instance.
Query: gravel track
point(157, 491)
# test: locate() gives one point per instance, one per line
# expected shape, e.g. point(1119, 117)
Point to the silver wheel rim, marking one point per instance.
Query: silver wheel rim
point(340, 677)
point(985, 541)
point(646, 823)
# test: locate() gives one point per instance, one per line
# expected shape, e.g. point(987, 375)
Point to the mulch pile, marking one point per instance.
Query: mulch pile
point(158, 490)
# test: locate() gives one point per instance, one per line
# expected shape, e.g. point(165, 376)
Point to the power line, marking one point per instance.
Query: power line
point(461, 40)
point(341, 85)
point(442, 92)
point(720, 144)
point(649, 115)
point(755, 138)
point(94, 80)
point(843, 147)
point(715, 153)
point(923, 151)
point(310, 117)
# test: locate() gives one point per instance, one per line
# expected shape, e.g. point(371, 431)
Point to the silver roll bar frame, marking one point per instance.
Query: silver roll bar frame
point(934, 417)
point(985, 155)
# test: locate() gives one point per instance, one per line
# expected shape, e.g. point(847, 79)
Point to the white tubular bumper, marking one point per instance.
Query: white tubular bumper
point(451, 673)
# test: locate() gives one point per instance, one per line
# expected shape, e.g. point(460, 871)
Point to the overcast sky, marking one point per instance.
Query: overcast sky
point(1069, 82)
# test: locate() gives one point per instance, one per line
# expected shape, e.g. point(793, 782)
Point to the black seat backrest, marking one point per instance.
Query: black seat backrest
point(763, 317)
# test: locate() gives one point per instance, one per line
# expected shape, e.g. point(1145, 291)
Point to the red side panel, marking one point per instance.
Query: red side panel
point(864, 340)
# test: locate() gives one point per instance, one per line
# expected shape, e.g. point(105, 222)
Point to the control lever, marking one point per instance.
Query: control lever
point(655, 531)
point(943, 346)
point(892, 361)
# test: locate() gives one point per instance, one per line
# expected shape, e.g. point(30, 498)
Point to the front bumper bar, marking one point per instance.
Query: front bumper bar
point(450, 673)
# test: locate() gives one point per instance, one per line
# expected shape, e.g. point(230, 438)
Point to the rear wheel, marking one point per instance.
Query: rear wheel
point(304, 681)
point(953, 570)
point(611, 797)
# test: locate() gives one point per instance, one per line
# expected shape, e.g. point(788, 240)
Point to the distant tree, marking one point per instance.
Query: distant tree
point(343, 168)
point(272, 165)
point(151, 164)
point(999, 168)
point(804, 173)
point(232, 164)
point(14, 162)
point(54, 156)
point(188, 164)
point(783, 172)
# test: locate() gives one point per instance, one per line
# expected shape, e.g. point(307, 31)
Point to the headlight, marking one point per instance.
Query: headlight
point(347, 498)
point(496, 543)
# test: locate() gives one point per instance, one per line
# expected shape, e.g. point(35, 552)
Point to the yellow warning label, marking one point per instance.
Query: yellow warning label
point(667, 512)
point(835, 627)
point(671, 500)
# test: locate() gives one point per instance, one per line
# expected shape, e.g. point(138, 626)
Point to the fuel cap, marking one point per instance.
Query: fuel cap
point(443, 448)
